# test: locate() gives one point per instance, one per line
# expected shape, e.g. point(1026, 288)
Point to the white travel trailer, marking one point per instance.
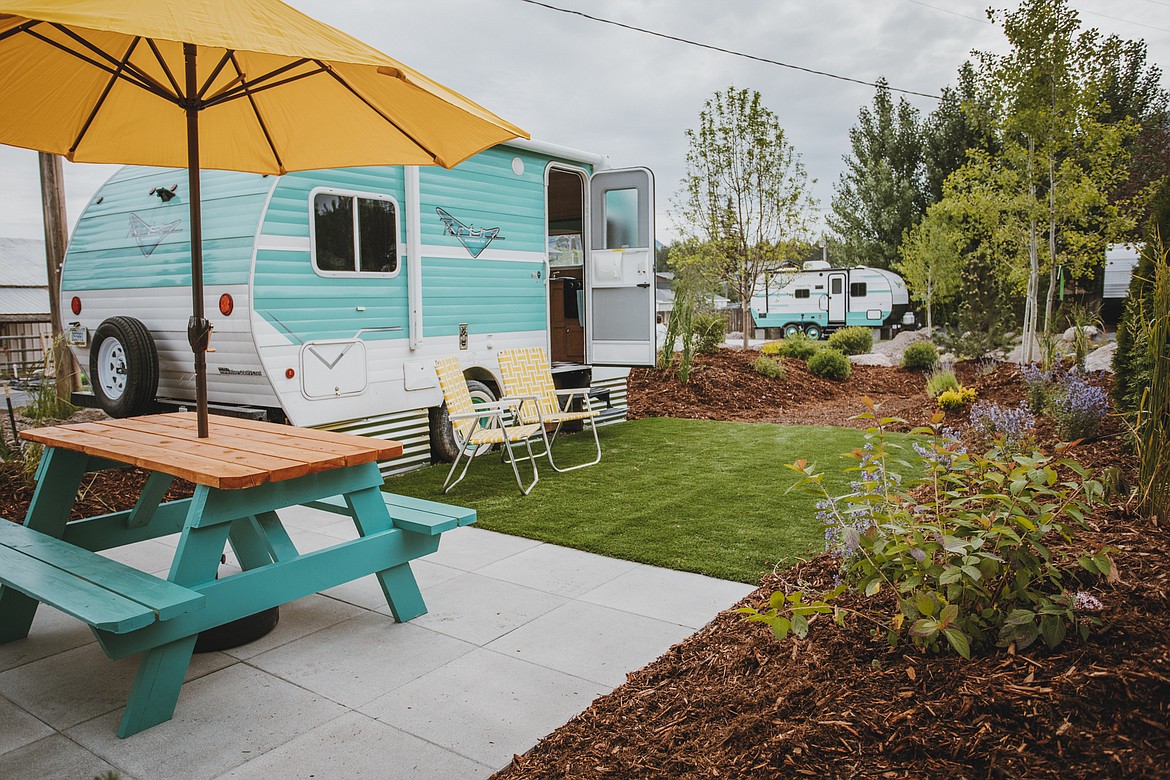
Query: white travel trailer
point(820, 299)
point(332, 292)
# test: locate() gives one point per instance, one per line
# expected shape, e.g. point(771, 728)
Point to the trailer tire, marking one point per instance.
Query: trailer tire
point(813, 331)
point(792, 329)
point(444, 448)
point(123, 367)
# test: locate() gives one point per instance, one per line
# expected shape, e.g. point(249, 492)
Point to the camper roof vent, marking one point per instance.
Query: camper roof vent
point(817, 265)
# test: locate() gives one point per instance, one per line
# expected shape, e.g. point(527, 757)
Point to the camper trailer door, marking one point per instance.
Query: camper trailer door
point(619, 279)
point(837, 298)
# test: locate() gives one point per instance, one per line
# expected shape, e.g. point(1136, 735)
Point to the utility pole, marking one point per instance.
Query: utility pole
point(56, 238)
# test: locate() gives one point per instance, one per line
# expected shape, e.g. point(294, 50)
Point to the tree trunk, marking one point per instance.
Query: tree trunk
point(746, 318)
point(56, 239)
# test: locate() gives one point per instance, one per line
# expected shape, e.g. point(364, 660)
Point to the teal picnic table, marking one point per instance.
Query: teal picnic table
point(244, 472)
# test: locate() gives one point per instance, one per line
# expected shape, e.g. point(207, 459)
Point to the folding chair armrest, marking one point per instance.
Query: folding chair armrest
point(497, 413)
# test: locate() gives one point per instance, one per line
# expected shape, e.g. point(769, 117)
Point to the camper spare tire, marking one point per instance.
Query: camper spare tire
point(443, 445)
point(123, 367)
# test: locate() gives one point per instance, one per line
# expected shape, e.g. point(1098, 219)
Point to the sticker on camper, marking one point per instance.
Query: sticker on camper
point(474, 239)
point(149, 236)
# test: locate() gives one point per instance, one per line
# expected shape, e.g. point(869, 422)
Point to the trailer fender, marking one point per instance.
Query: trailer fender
point(123, 367)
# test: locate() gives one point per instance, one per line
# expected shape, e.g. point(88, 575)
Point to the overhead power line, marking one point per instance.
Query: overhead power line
point(732, 52)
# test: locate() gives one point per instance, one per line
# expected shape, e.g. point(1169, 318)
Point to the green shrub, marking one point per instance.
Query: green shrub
point(958, 398)
point(941, 380)
point(710, 330)
point(799, 347)
point(770, 367)
point(772, 348)
point(829, 363)
point(854, 340)
point(970, 563)
point(920, 356)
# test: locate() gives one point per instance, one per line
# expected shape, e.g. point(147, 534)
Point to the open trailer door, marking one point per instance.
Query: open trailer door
point(619, 278)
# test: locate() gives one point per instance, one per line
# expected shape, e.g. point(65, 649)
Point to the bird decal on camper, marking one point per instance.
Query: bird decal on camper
point(149, 236)
point(474, 239)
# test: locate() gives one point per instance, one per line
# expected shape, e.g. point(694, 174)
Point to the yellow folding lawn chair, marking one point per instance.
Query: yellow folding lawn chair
point(476, 425)
point(527, 376)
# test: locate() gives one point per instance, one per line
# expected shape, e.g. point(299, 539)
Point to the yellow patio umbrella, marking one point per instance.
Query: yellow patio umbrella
point(245, 85)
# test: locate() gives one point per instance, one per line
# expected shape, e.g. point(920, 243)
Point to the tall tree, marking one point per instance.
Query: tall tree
point(931, 259)
point(745, 191)
point(961, 121)
point(881, 194)
point(1043, 194)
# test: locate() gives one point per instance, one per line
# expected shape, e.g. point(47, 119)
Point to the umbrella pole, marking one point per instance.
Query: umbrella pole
point(198, 328)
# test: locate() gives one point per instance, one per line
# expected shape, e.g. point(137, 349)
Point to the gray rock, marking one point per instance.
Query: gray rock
point(1071, 333)
point(871, 359)
point(1101, 359)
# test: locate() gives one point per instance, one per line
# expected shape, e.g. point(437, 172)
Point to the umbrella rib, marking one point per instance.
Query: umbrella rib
point(144, 77)
point(229, 56)
point(259, 118)
point(233, 91)
point(19, 29)
point(378, 111)
point(101, 100)
point(162, 63)
point(153, 88)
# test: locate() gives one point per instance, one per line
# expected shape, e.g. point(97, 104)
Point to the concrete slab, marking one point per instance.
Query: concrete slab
point(520, 637)
point(360, 659)
point(597, 643)
point(298, 619)
point(222, 720)
point(52, 632)
point(471, 549)
point(19, 729)
point(68, 688)
point(53, 757)
point(478, 609)
point(357, 746)
point(486, 705)
point(675, 596)
point(559, 570)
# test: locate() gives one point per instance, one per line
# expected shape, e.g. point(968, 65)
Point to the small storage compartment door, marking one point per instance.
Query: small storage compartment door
point(619, 275)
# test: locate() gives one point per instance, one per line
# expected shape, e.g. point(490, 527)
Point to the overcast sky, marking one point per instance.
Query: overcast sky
point(574, 82)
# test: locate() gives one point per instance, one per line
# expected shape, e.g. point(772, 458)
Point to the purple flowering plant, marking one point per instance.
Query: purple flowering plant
point(957, 548)
point(1077, 407)
point(1010, 428)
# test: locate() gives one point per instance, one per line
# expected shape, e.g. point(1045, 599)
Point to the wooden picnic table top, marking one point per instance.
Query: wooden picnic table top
point(238, 453)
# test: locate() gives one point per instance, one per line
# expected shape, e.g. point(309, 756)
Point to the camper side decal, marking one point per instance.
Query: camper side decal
point(474, 239)
point(148, 236)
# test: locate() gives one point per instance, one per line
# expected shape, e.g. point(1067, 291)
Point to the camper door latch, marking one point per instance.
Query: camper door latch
point(199, 334)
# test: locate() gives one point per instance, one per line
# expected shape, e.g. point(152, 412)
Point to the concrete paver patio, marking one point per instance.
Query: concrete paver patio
point(519, 637)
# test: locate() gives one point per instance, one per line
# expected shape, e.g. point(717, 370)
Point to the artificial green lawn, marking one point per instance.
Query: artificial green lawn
point(693, 495)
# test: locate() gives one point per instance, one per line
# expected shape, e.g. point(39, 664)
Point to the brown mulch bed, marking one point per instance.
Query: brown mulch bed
point(731, 701)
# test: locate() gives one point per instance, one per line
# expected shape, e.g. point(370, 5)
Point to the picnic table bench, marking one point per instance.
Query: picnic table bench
point(243, 473)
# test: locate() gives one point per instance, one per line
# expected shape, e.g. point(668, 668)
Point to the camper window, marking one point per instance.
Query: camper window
point(354, 234)
point(857, 290)
point(801, 292)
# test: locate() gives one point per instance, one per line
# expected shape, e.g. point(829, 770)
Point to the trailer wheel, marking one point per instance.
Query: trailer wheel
point(123, 367)
point(444, 448)
point(813, 331)
point(792, 329)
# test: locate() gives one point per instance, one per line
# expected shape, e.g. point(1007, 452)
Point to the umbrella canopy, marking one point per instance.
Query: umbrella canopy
point(248, 86)
point(99, 81)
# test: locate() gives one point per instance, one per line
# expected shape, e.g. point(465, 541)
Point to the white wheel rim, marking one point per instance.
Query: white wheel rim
point(111, 368)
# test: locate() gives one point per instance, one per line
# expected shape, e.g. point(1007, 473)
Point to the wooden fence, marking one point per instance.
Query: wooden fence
point(23, 346)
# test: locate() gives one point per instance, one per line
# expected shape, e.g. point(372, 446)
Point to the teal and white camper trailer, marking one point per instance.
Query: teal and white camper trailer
point(819, 299)
point(332, 292)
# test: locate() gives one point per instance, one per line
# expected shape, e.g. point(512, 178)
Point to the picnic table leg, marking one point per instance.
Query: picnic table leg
point(398, 583)
point(58, 479)
point(162, 669)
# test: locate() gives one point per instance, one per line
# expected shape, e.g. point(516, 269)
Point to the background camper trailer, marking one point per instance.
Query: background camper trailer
point(332, 292)
point(820, 299)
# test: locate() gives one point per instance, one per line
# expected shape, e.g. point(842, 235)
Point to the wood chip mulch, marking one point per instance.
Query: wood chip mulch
point(732, 702)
